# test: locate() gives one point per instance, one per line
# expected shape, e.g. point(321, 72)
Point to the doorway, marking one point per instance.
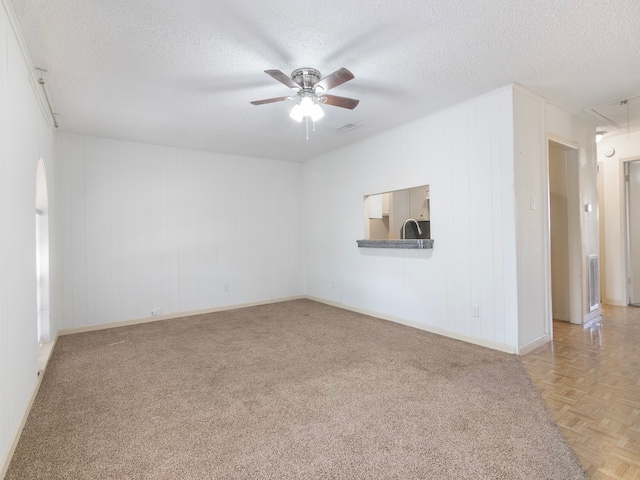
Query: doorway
point(565, 237)
point(632, 194)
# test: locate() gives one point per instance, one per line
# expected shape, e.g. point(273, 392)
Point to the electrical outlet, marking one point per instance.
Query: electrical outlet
point(476, 311)
point(156, 311)
point(226, 287)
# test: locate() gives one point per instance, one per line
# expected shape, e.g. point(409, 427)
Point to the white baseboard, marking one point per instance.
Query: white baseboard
point(422, 326)
point(533, 344)
point(4, 466)
point(615, 303)
point(561, 316)
point(137, 321)
point(410, 323)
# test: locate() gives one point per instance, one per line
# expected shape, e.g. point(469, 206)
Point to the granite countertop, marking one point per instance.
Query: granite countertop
point(418, 243)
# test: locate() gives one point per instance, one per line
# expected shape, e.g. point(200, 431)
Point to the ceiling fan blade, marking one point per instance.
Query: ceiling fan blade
point(283, 78)
point(336, 78)
point(269, 100)
point(337, 101)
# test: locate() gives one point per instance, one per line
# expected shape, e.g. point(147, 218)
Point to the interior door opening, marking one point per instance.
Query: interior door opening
point(565, 237)
point(632, 194)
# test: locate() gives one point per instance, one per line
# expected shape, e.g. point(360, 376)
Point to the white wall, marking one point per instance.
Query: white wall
point(486, 163)
point(560, 125)
point(466, 156)
point(532, 217)
point(627, 147)
point(149, 227)
point(25, 136)
point(140, 227)
point(536, 122)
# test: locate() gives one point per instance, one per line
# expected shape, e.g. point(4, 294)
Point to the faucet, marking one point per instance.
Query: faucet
point(404, 227)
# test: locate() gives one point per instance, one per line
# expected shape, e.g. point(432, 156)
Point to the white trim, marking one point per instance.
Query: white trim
point(628, 260)
point(169, 316)
point(4, 465)
point(44, 354)
point(533, 344)
point(568, 145)
point(615, 303)
point(562, 141)
point(521, 89)
point(421, 326)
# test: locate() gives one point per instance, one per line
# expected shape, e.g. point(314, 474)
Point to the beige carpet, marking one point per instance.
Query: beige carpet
point(290, 390)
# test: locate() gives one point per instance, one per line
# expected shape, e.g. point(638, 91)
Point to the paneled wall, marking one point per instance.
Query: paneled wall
point(155, 228)
point(466, 155)
point(25, 137)
point(532, 218)
point(487, 166)
point(535, 122)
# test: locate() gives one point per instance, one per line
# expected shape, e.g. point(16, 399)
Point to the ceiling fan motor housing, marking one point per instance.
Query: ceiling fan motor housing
point(306, 77)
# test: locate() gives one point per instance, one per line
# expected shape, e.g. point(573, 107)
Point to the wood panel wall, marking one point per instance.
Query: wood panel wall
point(148, 227)
point(25, 137)
point(466, 155)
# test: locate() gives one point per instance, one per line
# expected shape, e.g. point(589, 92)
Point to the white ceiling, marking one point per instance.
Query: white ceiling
point(182, 72)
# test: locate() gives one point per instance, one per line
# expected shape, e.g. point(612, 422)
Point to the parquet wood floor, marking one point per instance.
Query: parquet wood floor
point(589, 377)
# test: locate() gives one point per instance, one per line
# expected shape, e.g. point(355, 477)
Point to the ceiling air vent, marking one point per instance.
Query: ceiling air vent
point(346, 128)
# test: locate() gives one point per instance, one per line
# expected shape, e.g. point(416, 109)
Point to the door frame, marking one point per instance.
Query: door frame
point(575, 287)
point(627, 210)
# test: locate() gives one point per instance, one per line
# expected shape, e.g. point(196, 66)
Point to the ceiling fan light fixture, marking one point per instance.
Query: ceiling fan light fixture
point(316, 112)
point(296, 113)
point(306, 103)
point(307, 108)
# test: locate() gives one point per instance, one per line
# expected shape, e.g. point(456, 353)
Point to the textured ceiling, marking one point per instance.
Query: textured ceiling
point(619, 115)
point(182, 72)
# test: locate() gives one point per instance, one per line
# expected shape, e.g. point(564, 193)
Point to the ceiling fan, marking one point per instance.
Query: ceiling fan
point(311, 91)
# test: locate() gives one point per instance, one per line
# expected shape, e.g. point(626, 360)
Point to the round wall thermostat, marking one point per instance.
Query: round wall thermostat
point(609, 151)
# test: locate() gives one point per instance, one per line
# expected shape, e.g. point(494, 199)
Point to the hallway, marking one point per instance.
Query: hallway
point(589, 377)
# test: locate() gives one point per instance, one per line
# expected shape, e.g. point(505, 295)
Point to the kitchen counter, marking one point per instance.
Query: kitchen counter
point(418, 243)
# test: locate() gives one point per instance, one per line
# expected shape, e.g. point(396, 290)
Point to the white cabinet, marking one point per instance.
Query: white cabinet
point(379, 205)
point(386, 200)
point(374, 205)
point(420, 203)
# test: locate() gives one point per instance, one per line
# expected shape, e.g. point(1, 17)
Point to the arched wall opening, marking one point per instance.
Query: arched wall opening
point(42, 254)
